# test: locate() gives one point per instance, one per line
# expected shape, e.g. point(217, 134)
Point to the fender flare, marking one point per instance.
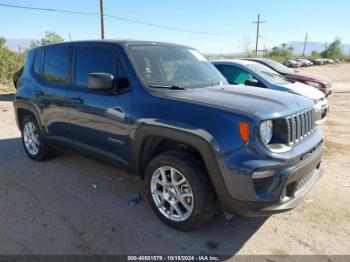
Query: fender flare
point(32, 109)
point(202, 145)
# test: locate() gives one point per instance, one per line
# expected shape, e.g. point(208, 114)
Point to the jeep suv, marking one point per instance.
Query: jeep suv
point(164, 113)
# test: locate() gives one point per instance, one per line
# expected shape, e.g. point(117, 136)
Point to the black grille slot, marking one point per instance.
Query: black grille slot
point(300, 126)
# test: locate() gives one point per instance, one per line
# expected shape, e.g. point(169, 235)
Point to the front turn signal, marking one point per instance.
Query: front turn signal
point(244, 130)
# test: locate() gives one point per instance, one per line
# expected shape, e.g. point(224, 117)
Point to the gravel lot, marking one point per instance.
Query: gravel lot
point(53, 208)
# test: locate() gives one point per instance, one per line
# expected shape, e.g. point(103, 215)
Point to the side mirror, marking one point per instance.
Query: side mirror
point(252, 82)
point(123, 83)
point(100, 81)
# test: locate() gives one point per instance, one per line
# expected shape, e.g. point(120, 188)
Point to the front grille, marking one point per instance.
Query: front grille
point(300, 126)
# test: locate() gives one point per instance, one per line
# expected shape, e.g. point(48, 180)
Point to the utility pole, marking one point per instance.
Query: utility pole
point(306, 38)
point(257, 33)
point(102, 22)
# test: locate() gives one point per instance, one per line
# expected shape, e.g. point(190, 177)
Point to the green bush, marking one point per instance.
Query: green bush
point(279, 54)
point(334, 51)
point(10, 63)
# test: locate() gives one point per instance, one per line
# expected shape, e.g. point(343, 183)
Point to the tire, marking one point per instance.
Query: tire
point(35, 138)
point(202, 202)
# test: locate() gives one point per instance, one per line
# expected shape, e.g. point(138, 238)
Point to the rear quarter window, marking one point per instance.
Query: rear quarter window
point(37, 62)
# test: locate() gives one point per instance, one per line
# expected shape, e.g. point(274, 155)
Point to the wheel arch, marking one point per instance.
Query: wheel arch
point(22, 109)
point(148, 137)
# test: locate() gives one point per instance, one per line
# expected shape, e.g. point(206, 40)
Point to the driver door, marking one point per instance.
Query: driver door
point(99, 119)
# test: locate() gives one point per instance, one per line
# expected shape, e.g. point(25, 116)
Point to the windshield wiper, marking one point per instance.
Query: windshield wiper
point(168, 87)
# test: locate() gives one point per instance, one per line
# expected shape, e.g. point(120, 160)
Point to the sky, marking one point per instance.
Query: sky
point(285, 21)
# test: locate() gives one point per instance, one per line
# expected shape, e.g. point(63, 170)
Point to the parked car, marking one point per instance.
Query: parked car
point(305, 62)
point(321, 83)
point(165, 113)
point(328, 61)
point(254, 74)
point(292, 63)
point(318, 61)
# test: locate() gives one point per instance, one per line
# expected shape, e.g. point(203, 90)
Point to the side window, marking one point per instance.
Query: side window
point(37, 62)
point(234, 74)
point(93, 60)
point(56, 65)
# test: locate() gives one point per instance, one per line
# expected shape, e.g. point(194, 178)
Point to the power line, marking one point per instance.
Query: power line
point(120, 19)
point(257, 33)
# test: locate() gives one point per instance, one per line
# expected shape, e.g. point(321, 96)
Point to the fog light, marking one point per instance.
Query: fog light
point(263, 174)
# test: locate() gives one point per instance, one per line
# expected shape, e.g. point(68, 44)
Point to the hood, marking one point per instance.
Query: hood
point(259, 102)
point(305, 90)
point(309, 77)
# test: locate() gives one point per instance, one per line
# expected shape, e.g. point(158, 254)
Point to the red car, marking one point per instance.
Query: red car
point(322, 83)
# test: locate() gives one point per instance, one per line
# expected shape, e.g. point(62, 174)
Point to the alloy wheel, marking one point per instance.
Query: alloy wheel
point(31, 138)
point(172, 193)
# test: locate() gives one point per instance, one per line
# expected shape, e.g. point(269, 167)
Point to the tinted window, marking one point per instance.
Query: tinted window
point(37, 62)
point(56, 65)
point(234, 74)
point(93, 60)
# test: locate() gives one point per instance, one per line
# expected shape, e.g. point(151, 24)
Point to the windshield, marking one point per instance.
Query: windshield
point(268, 74)
point(174, 66)
point(278, 67)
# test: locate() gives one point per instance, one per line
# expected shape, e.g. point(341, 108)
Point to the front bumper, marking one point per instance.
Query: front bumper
point(294, 174)
point(321, 110)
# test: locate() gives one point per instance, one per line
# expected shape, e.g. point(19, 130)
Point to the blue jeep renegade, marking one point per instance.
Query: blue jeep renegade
point(163, 112)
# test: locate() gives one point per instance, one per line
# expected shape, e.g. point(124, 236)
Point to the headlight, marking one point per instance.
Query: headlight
point(314, 84)
point(266, 131)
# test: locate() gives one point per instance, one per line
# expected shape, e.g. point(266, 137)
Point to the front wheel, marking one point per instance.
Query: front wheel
point(179, 191)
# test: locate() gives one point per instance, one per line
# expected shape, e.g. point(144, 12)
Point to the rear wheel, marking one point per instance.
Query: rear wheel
point(178, 191)
point(33, 140)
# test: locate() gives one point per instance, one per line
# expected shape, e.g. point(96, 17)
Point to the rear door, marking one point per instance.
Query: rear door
point(99, 119)
point(52, 78)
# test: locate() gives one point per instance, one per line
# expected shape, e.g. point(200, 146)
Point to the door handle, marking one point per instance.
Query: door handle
point(77, 100)
point(38, 93)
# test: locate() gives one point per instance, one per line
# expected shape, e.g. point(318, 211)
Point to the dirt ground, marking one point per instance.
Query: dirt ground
point(53, 208)
point(337, 73)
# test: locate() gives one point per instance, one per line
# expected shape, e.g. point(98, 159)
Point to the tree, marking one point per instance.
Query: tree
point(277, 51)
point(279, 54)
point(10, 62)
point(2, 42)
point(315, 54)
point(49, 38)
point(334, 51)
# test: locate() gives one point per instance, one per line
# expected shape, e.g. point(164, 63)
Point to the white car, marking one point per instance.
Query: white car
point(292, 63)
point(255, 74)
point(305, 62)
